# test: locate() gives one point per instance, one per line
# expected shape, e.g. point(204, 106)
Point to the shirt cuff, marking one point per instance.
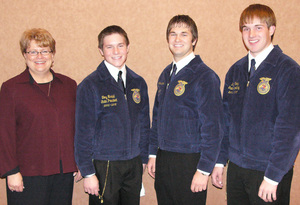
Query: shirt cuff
point(89, 175)
point(271, 181)
point(203, 172)
point(152, 156)
point(219, 165)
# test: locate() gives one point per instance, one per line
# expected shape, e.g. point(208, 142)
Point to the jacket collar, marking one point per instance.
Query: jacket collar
point(25, 77)
point(191, 66)
point(104, 74)
point(271, 59)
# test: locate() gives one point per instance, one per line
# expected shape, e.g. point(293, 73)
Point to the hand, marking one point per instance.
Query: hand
point(267, 191)
point(151, 167)
point(77, 176)
point(144, 167)
point(91, 185)
point(217, 177)
point(15, 182)
point(199, 182)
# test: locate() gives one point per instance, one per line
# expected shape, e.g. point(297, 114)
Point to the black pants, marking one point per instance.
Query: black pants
point(173, 179)
point(44, 190)
point(243, 186)
point(124, 181)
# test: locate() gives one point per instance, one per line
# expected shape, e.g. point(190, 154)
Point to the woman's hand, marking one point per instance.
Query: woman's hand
point(15, 182)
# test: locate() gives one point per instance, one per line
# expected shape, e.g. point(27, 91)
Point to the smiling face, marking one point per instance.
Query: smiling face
point(39, 64)
point(115, 50)
point(257, 36)
point(180, 40)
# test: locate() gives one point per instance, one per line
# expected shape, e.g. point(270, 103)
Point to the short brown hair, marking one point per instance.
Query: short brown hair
point(263, 12)
point(111, 30)
point(188, 21)
point(41, 36)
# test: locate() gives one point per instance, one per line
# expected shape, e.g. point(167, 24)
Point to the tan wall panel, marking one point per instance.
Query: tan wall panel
point(75, 25)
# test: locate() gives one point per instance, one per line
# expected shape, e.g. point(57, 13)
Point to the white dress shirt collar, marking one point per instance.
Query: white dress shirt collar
point(183, 62)
point(260, 57)
point(114, 72)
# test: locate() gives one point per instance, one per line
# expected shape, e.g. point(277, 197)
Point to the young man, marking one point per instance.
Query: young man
point(262, 109)
point(112, 125)
point(187, 130)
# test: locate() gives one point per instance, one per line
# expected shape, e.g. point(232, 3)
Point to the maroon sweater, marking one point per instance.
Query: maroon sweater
point(37, 130)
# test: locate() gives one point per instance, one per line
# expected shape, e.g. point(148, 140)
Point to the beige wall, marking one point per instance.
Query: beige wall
point(75, 25)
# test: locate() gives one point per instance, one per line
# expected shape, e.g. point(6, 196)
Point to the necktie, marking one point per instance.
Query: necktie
point(173, 72)
point(121, 82)
point(252, 68)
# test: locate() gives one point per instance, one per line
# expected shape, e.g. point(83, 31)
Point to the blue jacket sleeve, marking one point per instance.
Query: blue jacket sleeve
point(286, 141)
point(85, 119)
point(211, 120)
point(153, 144)
point(223, 156)
point(144, 119)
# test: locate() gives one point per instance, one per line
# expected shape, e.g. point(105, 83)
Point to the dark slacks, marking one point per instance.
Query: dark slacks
point(173, 177)
point(124, 181)
point(243, 186)
point(44, 190)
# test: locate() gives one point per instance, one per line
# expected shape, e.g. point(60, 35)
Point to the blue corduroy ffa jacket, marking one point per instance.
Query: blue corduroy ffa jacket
point(110, 126)
point(187, 116)
point(263, 118)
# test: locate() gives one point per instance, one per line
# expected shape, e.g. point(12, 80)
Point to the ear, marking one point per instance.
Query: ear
point(272, 30)
point(194, 42)
point(128, 48)
point(101, 52)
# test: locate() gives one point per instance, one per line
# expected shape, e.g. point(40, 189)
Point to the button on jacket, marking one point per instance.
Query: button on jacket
point(110, 125)
point(187, 114)
point(263, 118)
point(36, 130)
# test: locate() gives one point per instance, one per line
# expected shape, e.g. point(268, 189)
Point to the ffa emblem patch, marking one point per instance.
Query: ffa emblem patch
point(180, 88)
point(263, 87)
point(136, 96)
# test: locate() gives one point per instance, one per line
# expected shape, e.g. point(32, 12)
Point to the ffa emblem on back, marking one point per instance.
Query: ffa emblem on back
point(136, 96)
point(263, 87)
point(180, 88)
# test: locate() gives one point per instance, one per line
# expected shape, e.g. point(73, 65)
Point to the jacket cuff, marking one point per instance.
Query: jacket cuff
point(206, 166)
point(274, 174)
point(87, 170)
point(153, 150)
point(144, 159)
point(222, 159)
point(11, 172)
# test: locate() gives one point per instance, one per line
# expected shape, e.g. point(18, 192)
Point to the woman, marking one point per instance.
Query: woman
point(37, 110)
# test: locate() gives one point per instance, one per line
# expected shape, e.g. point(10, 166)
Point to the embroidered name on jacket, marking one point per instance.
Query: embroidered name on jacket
point(109, 100)
point(234, 88)
point(180, 88)
point(263, 86)
point(136, 96)
point(160, 85)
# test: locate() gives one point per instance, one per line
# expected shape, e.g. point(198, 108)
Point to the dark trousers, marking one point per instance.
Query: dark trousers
point(124, 181)
point(173, 178)
point(44, 190)
point(243, 186)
